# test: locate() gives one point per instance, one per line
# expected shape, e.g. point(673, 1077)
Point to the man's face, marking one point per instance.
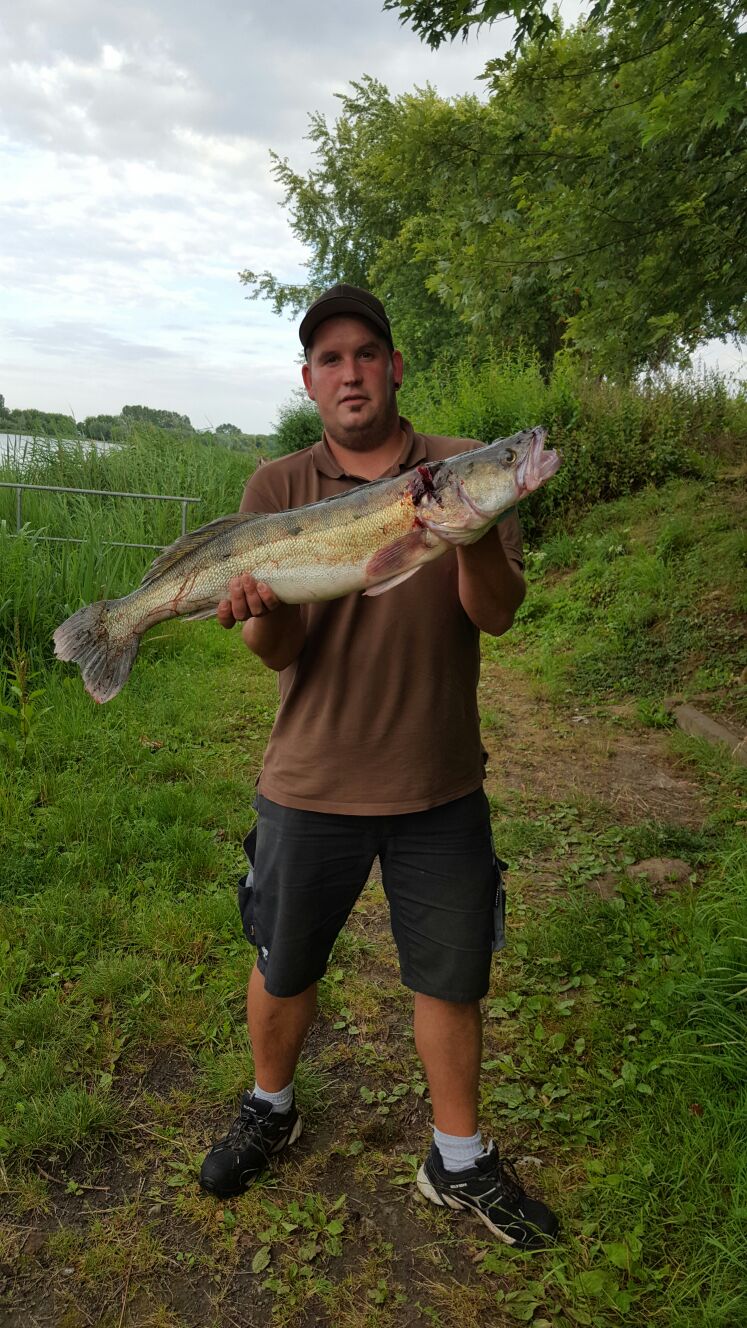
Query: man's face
point(350, 374)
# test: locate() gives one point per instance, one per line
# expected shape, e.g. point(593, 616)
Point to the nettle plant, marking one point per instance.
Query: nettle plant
point(21, 704)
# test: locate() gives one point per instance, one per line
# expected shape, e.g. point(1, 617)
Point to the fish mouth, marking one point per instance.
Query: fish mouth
point(537, 465)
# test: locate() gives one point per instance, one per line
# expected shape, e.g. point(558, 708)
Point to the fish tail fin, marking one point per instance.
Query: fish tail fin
point(105, 660)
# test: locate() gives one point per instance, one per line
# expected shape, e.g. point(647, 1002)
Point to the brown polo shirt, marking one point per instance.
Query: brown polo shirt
point(378, 714)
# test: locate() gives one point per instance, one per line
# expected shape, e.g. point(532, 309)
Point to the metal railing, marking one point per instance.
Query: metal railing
point(97, 493)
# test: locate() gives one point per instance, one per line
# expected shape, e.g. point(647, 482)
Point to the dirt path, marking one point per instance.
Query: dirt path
point(150, 1250)
point(598, 753)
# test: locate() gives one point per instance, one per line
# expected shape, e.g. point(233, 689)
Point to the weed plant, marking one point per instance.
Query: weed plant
point(658, 1010)
point(646, 596)
point(614, 440)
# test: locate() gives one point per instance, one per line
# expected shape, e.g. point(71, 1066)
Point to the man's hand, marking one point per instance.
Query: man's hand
point(247, 599)
point(273, 631)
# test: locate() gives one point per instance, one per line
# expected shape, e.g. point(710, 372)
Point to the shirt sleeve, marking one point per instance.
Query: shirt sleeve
point(512, 541)
point(261, 494)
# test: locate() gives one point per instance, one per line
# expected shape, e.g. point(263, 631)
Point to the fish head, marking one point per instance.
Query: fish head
point(495, 477)
point(459, 501)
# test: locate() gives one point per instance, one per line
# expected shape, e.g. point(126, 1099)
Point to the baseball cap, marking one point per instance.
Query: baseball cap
point(344, 299)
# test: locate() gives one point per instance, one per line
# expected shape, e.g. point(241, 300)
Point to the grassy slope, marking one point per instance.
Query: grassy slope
point(615, 1038)
point(658, 599)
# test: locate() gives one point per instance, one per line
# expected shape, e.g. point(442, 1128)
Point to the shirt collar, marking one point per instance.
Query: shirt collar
point(413, 451)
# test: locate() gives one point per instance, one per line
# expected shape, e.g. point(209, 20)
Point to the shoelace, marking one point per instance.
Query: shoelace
point(247, 1121)
point(504, 1169)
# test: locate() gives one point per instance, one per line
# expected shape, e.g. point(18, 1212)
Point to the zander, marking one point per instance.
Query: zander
point(368, 539)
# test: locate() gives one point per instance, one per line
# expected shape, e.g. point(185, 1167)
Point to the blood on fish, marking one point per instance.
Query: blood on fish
point(421, 485)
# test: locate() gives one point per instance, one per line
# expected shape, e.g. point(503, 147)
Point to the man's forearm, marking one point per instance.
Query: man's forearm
point(491, 588)
point(277, 638)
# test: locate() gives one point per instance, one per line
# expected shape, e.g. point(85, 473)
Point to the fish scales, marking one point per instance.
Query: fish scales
point(307, 553)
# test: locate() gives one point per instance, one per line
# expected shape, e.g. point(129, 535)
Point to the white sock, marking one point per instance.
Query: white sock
point(281, 1101)
point(458, 1151)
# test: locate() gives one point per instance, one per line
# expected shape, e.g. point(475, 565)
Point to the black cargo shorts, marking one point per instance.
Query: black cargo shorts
point(440, 873)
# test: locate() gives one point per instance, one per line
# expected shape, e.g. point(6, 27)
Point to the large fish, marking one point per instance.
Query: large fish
point(368, 539)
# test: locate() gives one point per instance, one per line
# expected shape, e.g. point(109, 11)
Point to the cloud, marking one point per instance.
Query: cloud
point(129, 233)
point(117, 104)
point(113, 80)
point(134, 155)
point(70, 338)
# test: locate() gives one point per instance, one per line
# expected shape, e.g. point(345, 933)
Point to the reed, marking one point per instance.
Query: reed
point(42, 581)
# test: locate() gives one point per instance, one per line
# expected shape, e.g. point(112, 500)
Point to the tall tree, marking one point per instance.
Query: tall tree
point(595, 199)
point(641, 181)
point(354, 205)
point(383, 207)
point(437, 21)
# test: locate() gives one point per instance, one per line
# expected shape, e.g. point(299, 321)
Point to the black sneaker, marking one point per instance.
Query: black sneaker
point(492, 1188)
point(257, 1135)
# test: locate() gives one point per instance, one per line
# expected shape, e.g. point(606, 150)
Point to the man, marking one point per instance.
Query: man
point(375, 751)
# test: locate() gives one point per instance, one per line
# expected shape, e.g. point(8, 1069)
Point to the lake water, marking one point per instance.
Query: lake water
point(18, 448)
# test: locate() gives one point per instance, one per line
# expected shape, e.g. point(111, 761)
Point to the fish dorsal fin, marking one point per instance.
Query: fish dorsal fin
point(195, 539)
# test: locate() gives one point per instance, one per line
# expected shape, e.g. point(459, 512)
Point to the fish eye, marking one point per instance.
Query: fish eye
point(509, 456)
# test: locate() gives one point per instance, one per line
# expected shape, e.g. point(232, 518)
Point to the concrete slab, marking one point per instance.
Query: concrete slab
point(699, 725)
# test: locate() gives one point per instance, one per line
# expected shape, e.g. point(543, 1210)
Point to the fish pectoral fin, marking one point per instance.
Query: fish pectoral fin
point(208, 612)
point(393, 581)
point(395, 562)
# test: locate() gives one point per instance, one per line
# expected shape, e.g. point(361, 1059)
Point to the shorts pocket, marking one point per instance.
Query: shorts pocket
point(499, 905)
point(246, 889)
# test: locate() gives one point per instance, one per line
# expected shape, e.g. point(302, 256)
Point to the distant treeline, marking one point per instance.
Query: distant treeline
point(118, 428)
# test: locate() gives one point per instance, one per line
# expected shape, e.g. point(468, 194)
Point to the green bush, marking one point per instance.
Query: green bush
point(614, 438)
point(298, 425)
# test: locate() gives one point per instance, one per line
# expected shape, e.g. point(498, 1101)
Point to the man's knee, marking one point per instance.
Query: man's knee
point(257, 988)
point(436, 1010)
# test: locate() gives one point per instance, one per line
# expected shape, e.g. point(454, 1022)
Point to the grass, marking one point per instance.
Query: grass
point(614, 1060)
point(606, 1027)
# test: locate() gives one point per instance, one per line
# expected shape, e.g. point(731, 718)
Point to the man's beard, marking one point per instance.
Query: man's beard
point(369, 436)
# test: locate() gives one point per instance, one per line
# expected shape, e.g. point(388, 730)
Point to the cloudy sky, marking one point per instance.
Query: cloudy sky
point(134, 158)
